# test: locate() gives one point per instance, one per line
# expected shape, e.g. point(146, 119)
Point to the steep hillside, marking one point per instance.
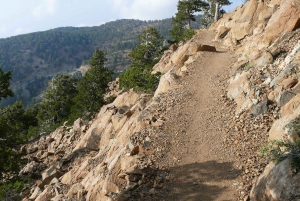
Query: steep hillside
point(218, 104)
point(34, 58)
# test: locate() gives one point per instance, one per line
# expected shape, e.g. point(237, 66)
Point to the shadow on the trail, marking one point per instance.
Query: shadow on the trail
point(192, 182)
point(195, 182)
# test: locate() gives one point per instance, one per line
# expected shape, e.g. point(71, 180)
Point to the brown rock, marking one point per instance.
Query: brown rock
point(167, 81)
point(75, 189)
point(35, 194)
point(291, 107)
point(277, 182)
point(222, 32)
point(238, 84)
point(289, 83)
point(135, 151)
point(245, 27)
point(48, 175)
point(264, 59)
point(285, 19)
point(296, 88)
point(238, 65)
point(47, 194)
point(207, 48)
point(77, 125)
point(32, 149)
point(29, 168)
point(286, 97)
point(173, 47)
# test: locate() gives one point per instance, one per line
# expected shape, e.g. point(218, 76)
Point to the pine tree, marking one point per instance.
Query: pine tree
point(146, 54)
point(58, 100)
point(212, 14)
point(218, 10)
point(185, 14)
point(14, 125)
point(92, 86)
point(5, 79)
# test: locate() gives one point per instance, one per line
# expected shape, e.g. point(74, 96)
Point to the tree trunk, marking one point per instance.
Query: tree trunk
point(217, 12)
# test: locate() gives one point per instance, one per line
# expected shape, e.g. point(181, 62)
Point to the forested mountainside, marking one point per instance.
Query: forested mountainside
point(34, 58)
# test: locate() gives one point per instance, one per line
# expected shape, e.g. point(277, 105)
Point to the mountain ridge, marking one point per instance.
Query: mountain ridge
point(36, 55)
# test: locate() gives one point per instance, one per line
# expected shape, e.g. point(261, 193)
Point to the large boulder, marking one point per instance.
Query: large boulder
point(289, 112)
point(48, 175)
point(243, 24)
point(285, 19)
point(167, 81)
point(277, 183)
point(47, 194)
point(238, 84)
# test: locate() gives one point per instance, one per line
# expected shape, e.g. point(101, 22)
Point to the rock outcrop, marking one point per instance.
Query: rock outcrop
point(266, 36)
point(278, 182)
point(107, 156)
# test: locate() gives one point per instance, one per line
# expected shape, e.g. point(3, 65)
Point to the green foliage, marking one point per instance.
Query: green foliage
point(140, 79)
point(185, 14)
point(31, 56)
point(177, 30)
point(149, 49)
point(15, 189)
point(279, 150)
point(188, 34)
point(14, 125)
point(247, 66)
point(212, 13)
point(146, 54)
point(58, 100)
point(295, 126)
point(92, 87)
point(4, 84)
point(110, 99)
point(10, 190)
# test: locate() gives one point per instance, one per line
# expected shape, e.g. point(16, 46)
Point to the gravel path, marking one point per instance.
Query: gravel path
point(200, 167)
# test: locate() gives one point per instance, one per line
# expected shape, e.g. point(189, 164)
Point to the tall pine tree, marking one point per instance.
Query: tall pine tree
point(185, 14)
point(5, 79)
point(58, 100)
point(214, 12)
point(146, 54)
point(92, 86)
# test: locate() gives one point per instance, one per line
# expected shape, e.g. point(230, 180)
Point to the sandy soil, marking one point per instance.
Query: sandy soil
point(200, 167)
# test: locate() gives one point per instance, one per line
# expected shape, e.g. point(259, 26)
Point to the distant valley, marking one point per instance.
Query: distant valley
point(36, 57)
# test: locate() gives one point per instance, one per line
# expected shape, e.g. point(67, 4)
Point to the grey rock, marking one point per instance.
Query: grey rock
point(260, 108)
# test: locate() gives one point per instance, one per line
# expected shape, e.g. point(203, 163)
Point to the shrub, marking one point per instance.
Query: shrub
point(280, 150)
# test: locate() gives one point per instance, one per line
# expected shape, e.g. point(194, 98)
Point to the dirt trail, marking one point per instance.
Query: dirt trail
point(200, 167)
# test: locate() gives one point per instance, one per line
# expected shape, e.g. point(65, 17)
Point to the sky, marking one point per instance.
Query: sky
point(26, 16)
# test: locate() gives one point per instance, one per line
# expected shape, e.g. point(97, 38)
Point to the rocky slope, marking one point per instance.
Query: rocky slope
point(264, 83)
point(199, 136)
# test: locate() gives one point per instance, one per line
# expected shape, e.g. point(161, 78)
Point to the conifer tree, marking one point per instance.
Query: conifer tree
point(92, 86)
point(185, 14)
point(218, 5)
point(213, 13)
point(146, 54)
point(5, 79)
point(58, 100)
